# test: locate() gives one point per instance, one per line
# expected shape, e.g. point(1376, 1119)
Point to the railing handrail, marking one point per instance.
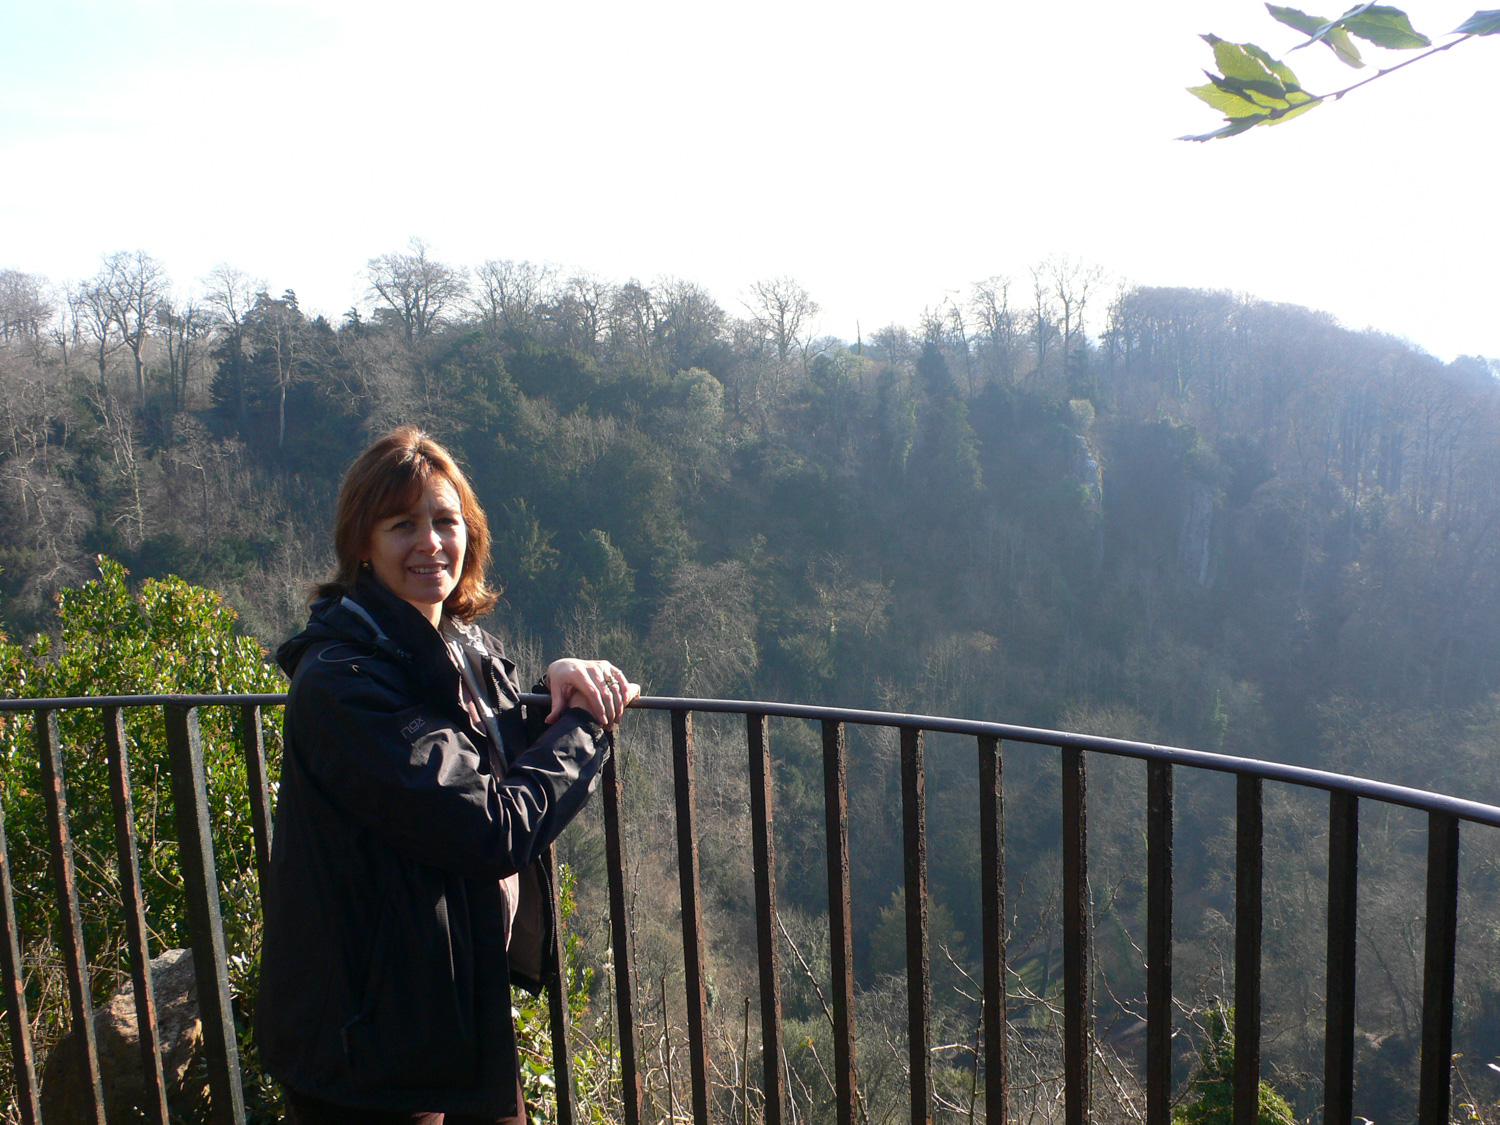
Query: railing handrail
point(1474, 811)
point(76, 702)
point(190, 801)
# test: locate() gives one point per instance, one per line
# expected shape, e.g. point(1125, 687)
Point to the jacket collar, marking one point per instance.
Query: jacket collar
point(373, 617)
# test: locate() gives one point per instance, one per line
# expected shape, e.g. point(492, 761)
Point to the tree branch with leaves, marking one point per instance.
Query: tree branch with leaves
point(1256, 89)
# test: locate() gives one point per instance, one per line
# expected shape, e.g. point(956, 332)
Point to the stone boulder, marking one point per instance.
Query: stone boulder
point(65, 1087)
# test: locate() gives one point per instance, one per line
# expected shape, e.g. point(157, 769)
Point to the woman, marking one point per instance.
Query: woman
point(404, 894)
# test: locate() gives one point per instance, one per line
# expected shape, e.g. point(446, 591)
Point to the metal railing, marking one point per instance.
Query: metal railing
point(189, 793)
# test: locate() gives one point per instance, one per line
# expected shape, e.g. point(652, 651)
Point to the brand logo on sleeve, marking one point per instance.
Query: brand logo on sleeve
point(412, 727)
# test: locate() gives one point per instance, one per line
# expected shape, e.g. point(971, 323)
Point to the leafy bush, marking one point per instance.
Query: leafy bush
point(168, 637)
point(594, 1065)
point(1214, 1081)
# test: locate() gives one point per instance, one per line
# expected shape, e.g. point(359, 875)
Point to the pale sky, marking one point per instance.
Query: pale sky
point(885, 155)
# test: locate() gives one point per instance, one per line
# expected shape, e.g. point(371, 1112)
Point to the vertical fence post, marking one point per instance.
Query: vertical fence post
point(65, 882)
point(135, 911)
point(201, 885)
point(1078, 1009)
point(840, 925)
point(918, 966)
point(692, 910)
point(1343, 874)
point(23, 1060)
point(1434, 1093)
point(632, 1094)
point(560, 1029)
point(763, 845)
point(1248, 870)
point(1159, 943)
point(992, 906)
point(260, 792)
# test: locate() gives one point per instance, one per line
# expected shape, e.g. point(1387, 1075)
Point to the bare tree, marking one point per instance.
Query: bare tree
point(184, 329)
point(690, 322)
point(1073, 284)
point(130, 286)
point(1041, 318)
point(580, 311)
point(96, 310)
point(782, 309)
point(633, 318)
point(999, 333)
point(510, 295)
point(24, 307)
point(704, 633)
point(416, 289)
point(231, 296)
point(958, 329)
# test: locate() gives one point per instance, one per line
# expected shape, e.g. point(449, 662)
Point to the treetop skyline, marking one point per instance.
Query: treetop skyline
point(880, 160)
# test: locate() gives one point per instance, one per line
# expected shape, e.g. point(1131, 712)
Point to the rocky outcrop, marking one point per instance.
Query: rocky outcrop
point(1195, 541)
point(65, 1084)
point(1087, 474)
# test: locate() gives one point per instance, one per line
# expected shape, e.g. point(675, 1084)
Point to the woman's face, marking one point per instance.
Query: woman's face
point(418, 554)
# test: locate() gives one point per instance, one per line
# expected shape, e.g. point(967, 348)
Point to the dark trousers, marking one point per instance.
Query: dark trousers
point(303, 1110)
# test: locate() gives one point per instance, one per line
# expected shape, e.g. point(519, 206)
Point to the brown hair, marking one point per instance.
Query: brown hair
point(388, 478)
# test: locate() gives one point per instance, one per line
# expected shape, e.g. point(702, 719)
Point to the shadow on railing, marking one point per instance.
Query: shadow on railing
point(190, 799)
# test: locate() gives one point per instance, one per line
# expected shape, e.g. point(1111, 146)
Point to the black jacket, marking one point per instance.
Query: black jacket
point(385, 981)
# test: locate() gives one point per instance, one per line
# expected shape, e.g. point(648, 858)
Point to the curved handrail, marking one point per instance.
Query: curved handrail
point(1474, 811)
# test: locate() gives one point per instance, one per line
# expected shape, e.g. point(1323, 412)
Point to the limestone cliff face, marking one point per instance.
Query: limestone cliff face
point(1087, 473)
point(1195, 540)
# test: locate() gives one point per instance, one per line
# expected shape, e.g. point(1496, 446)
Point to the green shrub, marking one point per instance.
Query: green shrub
point(1214, 1082)
point(167, 637)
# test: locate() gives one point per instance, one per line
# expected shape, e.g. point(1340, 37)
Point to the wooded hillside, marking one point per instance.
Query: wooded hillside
point(1185, 516)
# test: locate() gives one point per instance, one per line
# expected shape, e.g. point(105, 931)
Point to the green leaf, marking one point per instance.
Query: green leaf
point(1257, 93)
point(1320, 30)
point(1282, 72)
point(1385, 27)
point(1251, 73)
point(1296, 111)
point(1301, 21)
point(1244, 62)
point(1480, 23)
point(1227, 102)
point(1237, 126)
point(1341, 45)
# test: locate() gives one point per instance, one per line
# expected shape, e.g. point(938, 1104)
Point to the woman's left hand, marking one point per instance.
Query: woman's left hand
point(597, 686)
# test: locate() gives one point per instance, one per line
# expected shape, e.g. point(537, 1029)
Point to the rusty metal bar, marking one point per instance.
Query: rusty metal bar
point(763, 849)
point(1248, 874)
point(1343, 877)
point(1159, 796)
point(1078, 1009)
point(22, 1057)
point(632, 1092)
point(134, 904)
point(260, 792)
point(1445, 814)
point(992, 905)
point(840, 922)
point(1474, 811)
point(561, 1028)
point(65, 884)
point(918, 966)
point(692, 910)
point(1434, 1093)
point(201, 885)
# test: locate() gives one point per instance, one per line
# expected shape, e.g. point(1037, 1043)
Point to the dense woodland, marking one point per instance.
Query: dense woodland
point(1170, 514)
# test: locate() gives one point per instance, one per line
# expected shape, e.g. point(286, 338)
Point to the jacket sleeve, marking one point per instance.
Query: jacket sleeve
point(405, 772)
